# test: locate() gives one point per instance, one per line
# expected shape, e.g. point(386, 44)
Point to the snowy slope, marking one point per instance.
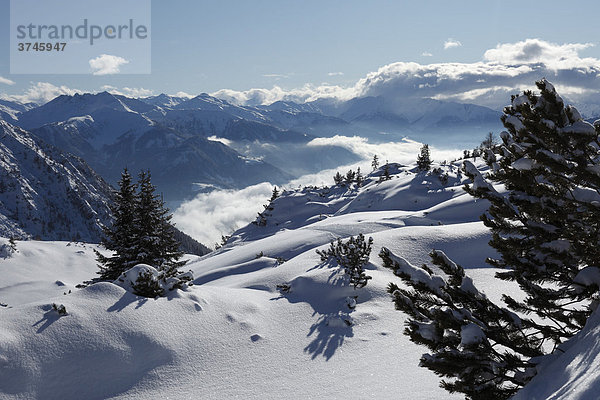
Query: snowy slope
point(573, 374)
point(234, 334)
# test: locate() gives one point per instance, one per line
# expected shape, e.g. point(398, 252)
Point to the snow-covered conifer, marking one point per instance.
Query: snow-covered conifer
point(142, 232)
point(155, 241)
point(424, 158)
point(546, 228)
point(275, 194)
point(375, 162)
point(359, 177)
point(120, 235)
point(350, 176)
point(338, 178)
point(479, 348)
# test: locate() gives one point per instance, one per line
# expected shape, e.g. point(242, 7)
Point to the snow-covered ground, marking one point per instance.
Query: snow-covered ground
point(234, 334)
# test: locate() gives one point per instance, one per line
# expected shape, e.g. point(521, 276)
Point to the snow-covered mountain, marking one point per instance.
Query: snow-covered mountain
point(264, 143)
point(103, 106)
point(10, 110)
point(46, 193)
point(424, 119)
point(111, 132)
point(164, 100)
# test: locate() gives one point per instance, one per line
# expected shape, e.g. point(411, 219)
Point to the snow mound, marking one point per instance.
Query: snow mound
point(573, 374)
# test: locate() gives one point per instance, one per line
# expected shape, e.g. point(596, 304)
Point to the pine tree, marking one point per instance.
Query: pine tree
point(154, 237)
point(275, 194)
point(481, 347)
point(338, 178)
point(261, 218)
point(546, 230)
point(119, 236)
point(489, 142)
point(359, 179)
point(424, 159)
point(141, 233)
point(350, 175)
point(375, 162)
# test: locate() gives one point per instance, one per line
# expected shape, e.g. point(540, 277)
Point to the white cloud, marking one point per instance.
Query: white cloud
point(268, 96)
point(127, 91)
point(276, 76)
point(6, 81)
point(535, 51)
point(451, 43)
point(184, 94)
point(137, 92)
point(220, 212)
point(404, 151)
point(502, 71)
point(335, 73)
point(426, 54)
point(210, 215)
point(107, 64)
point(42, 92)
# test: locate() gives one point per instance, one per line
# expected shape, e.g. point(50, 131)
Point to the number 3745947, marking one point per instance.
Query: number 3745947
point(40, 46)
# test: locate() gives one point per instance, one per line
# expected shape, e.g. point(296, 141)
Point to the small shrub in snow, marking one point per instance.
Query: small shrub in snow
point(352, 256)
point(59, 308)
point(280, 260)
point(8, 249)
point(284, 288)
point(5, 250)
point(147, 284)
point(145, 280)
point(339, 321)
point(442, 176)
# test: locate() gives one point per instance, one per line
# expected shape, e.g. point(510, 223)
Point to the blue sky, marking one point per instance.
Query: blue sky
point(204, 46)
